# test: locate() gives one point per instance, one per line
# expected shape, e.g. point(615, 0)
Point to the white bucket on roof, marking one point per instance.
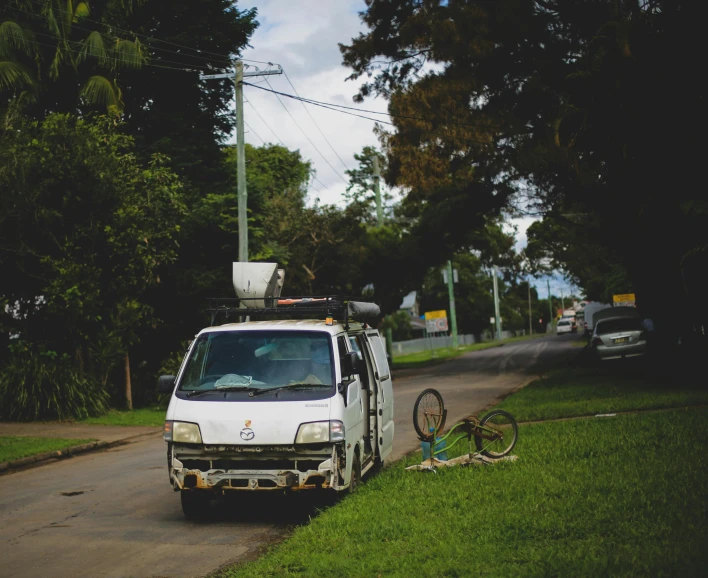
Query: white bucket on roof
point(259, 284)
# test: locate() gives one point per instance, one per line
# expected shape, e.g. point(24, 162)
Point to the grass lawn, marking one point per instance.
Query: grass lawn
point(16, 447)
point(145, 416)
point(603, 387)
point(426, 358)
point(620, 496)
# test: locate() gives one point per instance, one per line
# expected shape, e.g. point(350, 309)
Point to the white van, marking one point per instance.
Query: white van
point(279, 404)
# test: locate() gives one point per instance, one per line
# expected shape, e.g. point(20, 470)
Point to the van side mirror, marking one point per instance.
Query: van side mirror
point(166, 384)
point(350, 364)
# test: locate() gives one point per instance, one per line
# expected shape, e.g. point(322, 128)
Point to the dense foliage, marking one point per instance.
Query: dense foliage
point(554, 108)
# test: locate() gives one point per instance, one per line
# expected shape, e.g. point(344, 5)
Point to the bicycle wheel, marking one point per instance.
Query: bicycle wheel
point(428, 412)
point(504, 424)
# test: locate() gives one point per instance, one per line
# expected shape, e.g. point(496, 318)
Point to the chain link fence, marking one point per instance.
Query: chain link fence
point(442, 342)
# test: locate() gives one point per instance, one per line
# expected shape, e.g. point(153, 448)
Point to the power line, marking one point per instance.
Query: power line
point(276, 136)
point(265, 123)
point(299, 127)
point(210, 60)
point(392, 115)
point(225, 57)
point(253, 131)
point(314, 121)
point(148, 63)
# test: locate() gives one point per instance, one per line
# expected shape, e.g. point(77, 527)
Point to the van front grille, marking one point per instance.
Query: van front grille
point(297, 465)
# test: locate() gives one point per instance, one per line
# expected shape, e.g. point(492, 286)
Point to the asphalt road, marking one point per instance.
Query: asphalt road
point(113, 513)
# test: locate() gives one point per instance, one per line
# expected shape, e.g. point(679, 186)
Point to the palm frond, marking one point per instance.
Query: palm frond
point(13, 76)
point(14, 37)
point(128, 54)
point(94, 47)
point(62, 55)
point(98, 90)
point(52, 23)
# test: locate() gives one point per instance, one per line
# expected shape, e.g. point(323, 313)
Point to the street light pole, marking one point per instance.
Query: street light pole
point(497, 316)
point(530, 322)
point(379, 224)
point(451, 295)
point(550, 304)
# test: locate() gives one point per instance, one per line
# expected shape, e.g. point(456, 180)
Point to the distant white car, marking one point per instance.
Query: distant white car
point(564, 326)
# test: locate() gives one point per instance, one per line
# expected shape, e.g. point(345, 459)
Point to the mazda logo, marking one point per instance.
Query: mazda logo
point(247, 434)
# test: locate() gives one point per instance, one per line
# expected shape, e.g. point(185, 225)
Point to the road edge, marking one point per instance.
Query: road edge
point(40, 459)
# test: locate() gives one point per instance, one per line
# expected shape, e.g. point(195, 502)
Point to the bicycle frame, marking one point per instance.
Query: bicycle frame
point(469, 428)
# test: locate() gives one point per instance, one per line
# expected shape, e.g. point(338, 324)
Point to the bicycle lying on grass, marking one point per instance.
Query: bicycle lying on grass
point(494, 435)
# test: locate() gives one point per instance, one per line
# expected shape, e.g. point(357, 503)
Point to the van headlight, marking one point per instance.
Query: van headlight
point(317, 432)
point(182, 432)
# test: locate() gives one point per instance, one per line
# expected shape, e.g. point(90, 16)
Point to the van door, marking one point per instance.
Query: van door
point(354, 406)
point(384, 402)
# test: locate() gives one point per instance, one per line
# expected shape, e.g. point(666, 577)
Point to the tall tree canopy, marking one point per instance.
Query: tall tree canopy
point(550, 105)
point(85, 232)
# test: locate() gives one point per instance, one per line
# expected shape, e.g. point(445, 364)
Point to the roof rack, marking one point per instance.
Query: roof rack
point(333, 306)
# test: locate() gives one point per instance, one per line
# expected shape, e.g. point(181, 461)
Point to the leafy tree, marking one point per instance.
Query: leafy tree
point(551, 105)
point(167, 108)
point(83, 237)
point(361, 183)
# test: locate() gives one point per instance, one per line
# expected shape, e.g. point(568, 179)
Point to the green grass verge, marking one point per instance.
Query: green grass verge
point(427, 358)
point(145, 416)
point(622, 496)
point(17, 447)
point(603, 387)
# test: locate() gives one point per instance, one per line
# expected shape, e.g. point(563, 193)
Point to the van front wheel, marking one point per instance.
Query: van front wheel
point(195, 504)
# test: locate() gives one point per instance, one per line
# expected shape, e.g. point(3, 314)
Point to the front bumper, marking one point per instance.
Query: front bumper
point(232, 468)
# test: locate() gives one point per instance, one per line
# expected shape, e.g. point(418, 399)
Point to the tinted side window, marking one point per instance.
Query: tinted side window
point(342, 345)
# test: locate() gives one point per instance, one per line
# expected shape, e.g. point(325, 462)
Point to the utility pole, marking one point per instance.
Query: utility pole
point(562, 300)
point(379, 224)
point(530, 321)
point(238, 75)
point(377, 190)
point(451, 295)
point(550, 304)
point(497, 316)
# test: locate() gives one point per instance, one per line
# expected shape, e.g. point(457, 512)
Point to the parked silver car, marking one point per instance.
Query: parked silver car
point(619, 337)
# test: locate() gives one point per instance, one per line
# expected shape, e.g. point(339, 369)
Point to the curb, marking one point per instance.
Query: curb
point(37, 459)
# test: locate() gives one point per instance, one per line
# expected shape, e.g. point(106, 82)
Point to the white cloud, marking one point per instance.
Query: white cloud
point(303, 37)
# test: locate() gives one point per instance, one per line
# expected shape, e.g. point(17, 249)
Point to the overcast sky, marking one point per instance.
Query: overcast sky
point(303, 37)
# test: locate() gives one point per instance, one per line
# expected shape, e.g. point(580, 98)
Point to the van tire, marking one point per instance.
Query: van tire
point(195, 504)
point(355, 477)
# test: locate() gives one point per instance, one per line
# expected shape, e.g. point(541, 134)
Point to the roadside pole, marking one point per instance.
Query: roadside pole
point(530, 321)
point(451, 295)
point(550, 304)
point(238, 75)
point(379, 224)
point(241, 168)
point(377, 190)
point(497, 316)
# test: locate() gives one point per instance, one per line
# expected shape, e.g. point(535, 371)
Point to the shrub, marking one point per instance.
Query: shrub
point(36, 386)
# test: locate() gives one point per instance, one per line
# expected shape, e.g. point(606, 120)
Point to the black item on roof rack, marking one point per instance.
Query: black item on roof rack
point(323, 306)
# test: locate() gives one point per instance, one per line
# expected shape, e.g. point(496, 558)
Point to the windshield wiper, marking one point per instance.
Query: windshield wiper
point(257, 391)
point(223, 388)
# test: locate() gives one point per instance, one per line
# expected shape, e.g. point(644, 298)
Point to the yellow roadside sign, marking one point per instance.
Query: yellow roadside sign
point(435, 314)
point(623, 298)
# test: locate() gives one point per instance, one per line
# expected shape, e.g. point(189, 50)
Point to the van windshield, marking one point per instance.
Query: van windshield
point(253, 360)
